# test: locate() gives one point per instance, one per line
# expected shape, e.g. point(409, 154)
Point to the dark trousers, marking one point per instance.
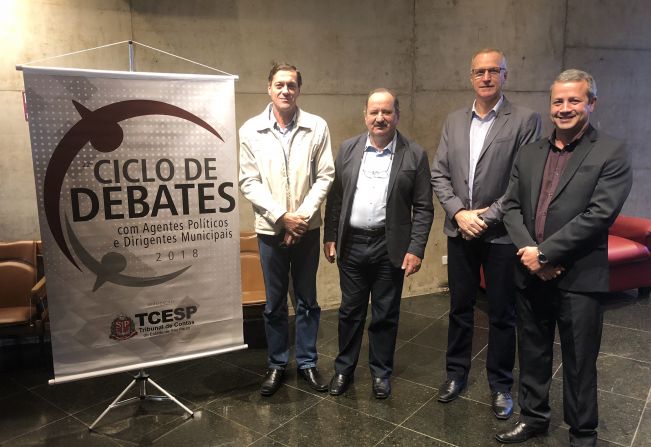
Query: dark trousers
point(579, 318)
point(464, 261)
point(365, 270)
point(302, 260)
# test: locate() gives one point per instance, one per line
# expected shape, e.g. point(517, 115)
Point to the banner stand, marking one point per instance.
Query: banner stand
point(141, 379)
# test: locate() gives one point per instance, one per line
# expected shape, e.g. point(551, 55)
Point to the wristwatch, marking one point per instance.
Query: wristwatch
point(542, 259)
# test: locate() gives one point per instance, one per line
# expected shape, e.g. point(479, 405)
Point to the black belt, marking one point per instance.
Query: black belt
point(371, 232)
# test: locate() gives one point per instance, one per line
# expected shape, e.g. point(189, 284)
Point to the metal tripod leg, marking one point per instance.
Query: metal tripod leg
point(141, 379)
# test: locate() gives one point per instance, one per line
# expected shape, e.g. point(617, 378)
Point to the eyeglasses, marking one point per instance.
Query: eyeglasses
point(493, 72)
point(381, 173)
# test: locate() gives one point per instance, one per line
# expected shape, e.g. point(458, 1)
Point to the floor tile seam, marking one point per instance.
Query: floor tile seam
point(55, 405)
point(479, 352)
point(183, 416)
point(424, 385)
point(116, 442)
point(13, 393)
point(267, 437)
point(328, 340)
point(233, 421)
point(560, 379)
point(613, 442)
point(336, 401)
point(416, 411)
point(189, 419)
point(425, 346)
point(421, 331)
point(320, 394)
point(431, 317)
point(96, 432)
point(413, 431)
point(293, 417)
point(428, 436)
point(621, 395)
point(385, 437)
point(560, 365)
point(611, 354)
point(7, 441)
point(241, 368)
point(154, 440)
point(627, 328)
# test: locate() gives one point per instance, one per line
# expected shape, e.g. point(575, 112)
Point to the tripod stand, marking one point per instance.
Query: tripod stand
point(142, 378)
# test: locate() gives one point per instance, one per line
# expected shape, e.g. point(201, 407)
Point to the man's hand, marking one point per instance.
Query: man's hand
point(330, 251)
point(290, 240)
point(549, 272)
point(470, 224)
point(529, 258)
point(411, 264)
point(294, 224)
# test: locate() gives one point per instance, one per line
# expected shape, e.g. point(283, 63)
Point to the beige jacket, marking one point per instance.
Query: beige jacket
point(275, 186)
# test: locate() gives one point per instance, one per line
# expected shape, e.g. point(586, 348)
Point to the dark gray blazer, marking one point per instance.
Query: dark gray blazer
point(590, 195)
point(514, 127)
point(409, 198)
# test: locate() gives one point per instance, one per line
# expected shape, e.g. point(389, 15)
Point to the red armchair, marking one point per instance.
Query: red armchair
point(629, 255)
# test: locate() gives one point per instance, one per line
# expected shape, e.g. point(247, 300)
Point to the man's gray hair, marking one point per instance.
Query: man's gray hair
point(575, 75)
point(490, 50)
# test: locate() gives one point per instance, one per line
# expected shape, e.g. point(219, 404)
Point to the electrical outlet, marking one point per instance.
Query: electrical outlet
point(444, 260)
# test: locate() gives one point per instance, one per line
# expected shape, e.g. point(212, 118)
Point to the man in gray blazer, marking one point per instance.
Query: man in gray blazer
point(565, 192)
point(469, 177)
point(378, 217)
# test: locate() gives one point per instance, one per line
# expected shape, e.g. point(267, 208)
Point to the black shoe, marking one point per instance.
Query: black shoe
point(502, 404)
point(381, 388)
point(272, 381)
point(313, 378)
point(339, 384)
point(450, 390)
point(520, 433)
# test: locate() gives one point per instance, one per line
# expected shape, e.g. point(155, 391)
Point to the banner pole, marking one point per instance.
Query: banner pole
point(132, 64)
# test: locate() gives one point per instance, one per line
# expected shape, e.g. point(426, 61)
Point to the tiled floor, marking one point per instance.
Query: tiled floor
point(223, 392)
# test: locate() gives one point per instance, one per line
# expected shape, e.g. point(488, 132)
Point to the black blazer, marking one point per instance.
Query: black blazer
point(590, 195)
point(409, 198)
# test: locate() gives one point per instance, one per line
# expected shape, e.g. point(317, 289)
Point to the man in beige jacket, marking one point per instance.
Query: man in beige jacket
point(286, 170)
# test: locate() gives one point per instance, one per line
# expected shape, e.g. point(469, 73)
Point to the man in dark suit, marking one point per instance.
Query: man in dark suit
point(469, 176)
point(378, 216)
point(563, 195)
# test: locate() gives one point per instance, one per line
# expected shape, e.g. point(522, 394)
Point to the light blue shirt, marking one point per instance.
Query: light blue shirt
point(479, 128)
point(370, 201)
point(285, 135)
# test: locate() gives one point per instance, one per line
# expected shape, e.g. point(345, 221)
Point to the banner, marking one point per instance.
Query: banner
point(136, 180)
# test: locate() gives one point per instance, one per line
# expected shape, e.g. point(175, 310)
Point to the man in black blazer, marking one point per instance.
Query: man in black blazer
point(378, 217)
point(470, 175)
point(564, 193)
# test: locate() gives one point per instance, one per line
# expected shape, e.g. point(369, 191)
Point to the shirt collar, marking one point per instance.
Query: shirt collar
point(569, 147)
point(390, 148)
point(493, 111)
point(273, 122)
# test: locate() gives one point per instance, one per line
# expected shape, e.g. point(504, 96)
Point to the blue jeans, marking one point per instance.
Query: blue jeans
point(302, 260)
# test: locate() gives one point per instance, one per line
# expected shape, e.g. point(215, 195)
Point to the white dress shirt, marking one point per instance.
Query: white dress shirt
point(370, 201)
